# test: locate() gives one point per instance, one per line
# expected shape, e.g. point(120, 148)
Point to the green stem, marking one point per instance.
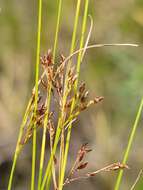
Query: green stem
point(82, 39)
point(17, 150)
point(44, 137)
point(36, 93)
point(75, 27)
point(71, 49)
point(131, 138)
point(61, 156)
point(33, 159)
point(48, 169)
point(73, 103)
point(57, 28)
point(54, 55)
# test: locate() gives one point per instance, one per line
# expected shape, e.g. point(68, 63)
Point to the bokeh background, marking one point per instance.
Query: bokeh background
point(113, 72)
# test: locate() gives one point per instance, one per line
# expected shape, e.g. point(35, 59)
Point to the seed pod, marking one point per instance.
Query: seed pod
point(83, 106)
point(51, 128)
point(84, 96)
point(68, 103)
point(62, 58)
point(83, 150)
point(98, 99)
point(55, 160)
point(82, 87)
point(44, 84)
point(74, 79)
point(82, 166)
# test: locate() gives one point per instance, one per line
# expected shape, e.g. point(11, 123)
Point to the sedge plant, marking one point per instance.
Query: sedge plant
point(60, 82)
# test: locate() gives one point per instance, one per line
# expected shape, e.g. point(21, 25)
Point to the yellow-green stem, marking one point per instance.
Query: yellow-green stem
point(48, 171)
point(131, 138)
point(62, 147)
point(54, 55)
point(36, 92)
point(65, 87)
point(75, 27)
point(44, 137)
point(57, 28)
point(17, 150)
point(71, 49)
point(75, 87)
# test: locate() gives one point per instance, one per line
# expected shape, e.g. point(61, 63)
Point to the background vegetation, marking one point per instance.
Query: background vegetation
point(113, 72)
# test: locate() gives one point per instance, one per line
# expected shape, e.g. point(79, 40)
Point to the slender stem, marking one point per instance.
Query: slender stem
point(53, 168)
point(62, 148)
point(72, 47)
point(131, 138)
point(97, 46)
point(137, 179)
point(36, 93)
point(71, 51)
point(82, 38)
point(54, 55)
point(75, 26)
point(12, 171)
point(73, 103)
point(57, 28)
point(48, 169)
point(44, 137)
point(17, 150)
point(61, 169)
point(33, 159)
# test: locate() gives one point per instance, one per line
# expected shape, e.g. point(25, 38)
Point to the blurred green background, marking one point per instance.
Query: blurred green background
point(113, 72)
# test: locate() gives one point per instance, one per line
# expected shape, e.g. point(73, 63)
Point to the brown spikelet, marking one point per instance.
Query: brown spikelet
point(111, 167)
point(82, 166)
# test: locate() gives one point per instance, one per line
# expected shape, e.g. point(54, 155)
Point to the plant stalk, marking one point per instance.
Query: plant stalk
point(36, 92)
point(131, 138)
